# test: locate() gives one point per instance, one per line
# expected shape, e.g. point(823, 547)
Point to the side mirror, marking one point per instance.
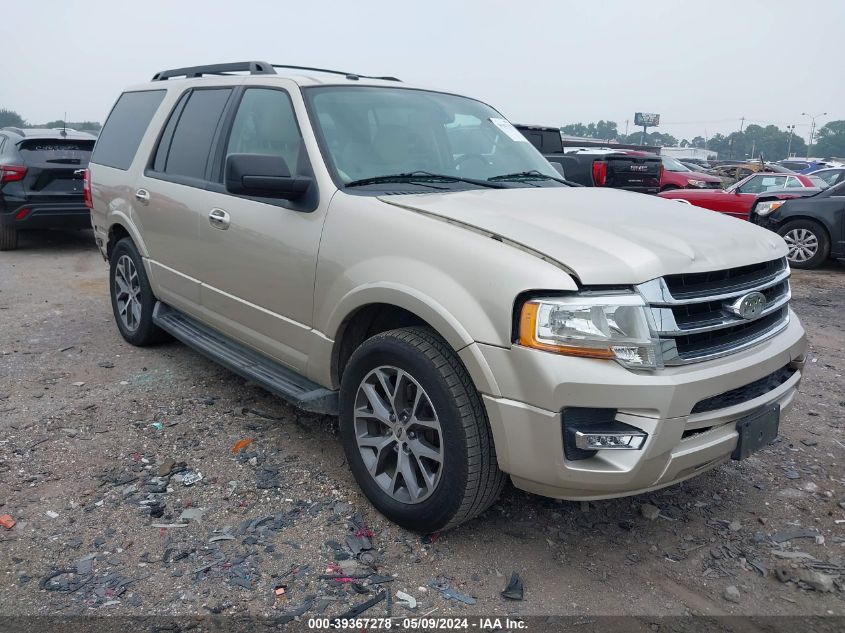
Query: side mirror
point(559, 169)
point(264, 176)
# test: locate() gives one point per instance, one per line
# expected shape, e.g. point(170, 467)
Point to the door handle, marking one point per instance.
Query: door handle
point(142, 195)
point(219, 219)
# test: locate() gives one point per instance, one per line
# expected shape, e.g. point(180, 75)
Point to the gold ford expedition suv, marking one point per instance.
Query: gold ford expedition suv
point(405, 259)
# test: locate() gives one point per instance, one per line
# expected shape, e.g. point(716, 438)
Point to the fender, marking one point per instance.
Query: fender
point(412, 300)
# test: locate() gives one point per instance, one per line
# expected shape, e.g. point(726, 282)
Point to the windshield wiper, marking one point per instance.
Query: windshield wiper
point(420, 176)
point(530, 175)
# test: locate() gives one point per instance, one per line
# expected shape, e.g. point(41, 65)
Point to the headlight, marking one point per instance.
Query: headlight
point(765, 208)
point(615, 327)
point(697, 183)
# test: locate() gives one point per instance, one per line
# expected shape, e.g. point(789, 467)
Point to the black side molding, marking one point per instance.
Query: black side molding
point(270, 374)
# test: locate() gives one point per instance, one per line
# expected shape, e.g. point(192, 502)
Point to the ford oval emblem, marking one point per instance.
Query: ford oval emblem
point(748, 306)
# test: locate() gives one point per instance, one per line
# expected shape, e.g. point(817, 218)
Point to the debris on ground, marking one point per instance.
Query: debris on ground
point(354, 612)
point(816, 580)
point(406, 600)
point(7, 521)
point(190, 477)
point(192, 514)
point(241, 444)
point(789, 535)
point(451, 594)
point(649, 511)
point(731, 594)
point(515, 589)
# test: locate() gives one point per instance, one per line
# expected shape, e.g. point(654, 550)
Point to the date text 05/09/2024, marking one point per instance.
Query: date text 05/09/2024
point(417, 623)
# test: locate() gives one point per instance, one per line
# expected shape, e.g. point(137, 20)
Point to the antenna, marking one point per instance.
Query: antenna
point(64, 125)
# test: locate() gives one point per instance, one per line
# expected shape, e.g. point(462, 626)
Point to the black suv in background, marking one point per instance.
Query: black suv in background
point(41, 181)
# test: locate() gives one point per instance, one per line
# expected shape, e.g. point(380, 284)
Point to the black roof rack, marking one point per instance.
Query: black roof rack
point(336, 72)
point(194, 72)
point(254, 68)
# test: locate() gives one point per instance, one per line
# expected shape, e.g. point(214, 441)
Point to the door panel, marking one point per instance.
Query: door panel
point(258, 275)
point(171, 196)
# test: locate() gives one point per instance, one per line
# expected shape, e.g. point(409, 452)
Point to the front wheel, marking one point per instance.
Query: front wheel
point(415, 432)
point(808, 242)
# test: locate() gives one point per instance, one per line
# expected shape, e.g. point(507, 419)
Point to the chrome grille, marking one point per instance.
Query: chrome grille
point(692, 316)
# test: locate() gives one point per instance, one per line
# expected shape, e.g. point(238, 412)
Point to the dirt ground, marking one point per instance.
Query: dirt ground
point(99, 439)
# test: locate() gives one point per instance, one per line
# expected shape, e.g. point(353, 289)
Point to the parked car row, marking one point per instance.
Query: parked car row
point(746, 190)
point(739, 199)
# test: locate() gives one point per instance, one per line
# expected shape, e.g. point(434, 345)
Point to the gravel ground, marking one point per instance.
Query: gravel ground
point(99, 441)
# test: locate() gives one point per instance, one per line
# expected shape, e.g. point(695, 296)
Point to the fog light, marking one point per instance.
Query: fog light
point(587, 430)
point(599, 441)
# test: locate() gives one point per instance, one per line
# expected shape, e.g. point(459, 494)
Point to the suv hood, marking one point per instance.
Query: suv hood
point(604, 236)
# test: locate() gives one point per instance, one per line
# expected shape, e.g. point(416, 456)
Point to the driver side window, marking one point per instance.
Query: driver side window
point(266, 124)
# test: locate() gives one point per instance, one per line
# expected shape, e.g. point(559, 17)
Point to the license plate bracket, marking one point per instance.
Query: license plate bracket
point(756, 431)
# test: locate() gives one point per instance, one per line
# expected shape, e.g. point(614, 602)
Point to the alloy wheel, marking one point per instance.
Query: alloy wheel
point(803, 244)
point(127, 292)
point(398, 434)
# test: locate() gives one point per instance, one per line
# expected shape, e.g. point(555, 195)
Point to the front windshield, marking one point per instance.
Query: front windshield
point(672, 165)
point(371, 132)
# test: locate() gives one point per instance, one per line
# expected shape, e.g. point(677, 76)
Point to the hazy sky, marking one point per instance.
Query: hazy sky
point(702, 65)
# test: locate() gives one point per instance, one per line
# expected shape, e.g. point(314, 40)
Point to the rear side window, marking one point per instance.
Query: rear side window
point(56, 151)
point(186, 155)
point(125, 128)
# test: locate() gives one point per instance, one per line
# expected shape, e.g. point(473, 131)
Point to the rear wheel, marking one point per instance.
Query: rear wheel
point(415, 432)
point(8, 238)
point(808, 242)
point(132, 297)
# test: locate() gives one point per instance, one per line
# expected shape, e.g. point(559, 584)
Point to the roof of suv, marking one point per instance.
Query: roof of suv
point(301, 75)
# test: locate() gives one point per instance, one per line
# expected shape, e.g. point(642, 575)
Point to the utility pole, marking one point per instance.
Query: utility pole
point(626, 128)
point(812, 129)
point(791, 129)
point(741, 124)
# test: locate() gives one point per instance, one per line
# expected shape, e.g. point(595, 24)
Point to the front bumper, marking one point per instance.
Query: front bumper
point(55, 215)
point(535, 386)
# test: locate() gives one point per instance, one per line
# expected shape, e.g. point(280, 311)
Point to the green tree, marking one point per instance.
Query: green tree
point(603, 130)
point(11, 118)
point(658, 139)
point(574, 129)
point(698, 141)
point(830, 140)
point(83, 126)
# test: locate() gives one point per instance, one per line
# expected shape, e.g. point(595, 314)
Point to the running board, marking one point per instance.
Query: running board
point(246, 362)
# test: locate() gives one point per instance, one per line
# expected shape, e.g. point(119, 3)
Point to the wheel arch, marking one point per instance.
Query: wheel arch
point(119, 228)
point(369, 311)
point(806, 218)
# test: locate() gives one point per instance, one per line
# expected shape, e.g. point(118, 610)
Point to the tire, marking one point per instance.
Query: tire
point(8, 238)
point(137, 328)
point(808, 242)
point(467, 478)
